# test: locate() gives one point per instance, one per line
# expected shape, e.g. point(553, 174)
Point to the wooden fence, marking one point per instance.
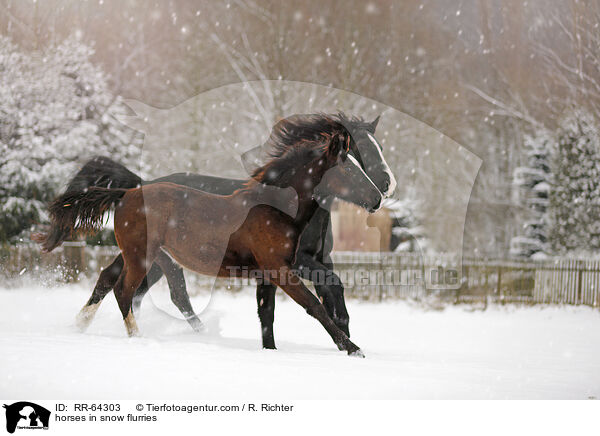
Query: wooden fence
point(69, 262)
point(554, 281)
point(372, 276)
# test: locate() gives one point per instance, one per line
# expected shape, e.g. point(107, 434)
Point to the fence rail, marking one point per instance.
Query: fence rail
point(373, 276)
point(554, 281)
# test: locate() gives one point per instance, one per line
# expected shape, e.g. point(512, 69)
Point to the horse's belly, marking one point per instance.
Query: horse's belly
point(204, 259)
point(200, 248)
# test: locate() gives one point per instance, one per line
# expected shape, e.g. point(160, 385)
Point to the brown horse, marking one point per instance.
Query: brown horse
point(256, 228)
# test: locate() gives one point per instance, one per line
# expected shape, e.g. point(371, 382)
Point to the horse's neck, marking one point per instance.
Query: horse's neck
point(283, 199)
point(307, 207)
point(301, 207)
point(310, 209)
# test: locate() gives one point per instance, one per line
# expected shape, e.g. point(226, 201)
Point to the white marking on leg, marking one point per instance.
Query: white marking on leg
point(86, 315)
point(131, 325)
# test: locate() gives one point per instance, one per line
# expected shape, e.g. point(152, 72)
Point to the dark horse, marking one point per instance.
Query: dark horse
point(313, 256)
point(255, 227)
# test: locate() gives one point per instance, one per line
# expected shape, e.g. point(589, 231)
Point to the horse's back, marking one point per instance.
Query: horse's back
point(211, 184)
point(192, 225)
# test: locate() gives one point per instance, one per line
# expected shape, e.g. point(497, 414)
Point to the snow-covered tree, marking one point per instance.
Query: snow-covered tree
point(56, 110)
point(532, 183)
point(408, 234)
point(575, 196)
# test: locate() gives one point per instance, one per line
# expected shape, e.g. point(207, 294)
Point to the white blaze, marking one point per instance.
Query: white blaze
point(355, 162)
point(387, 169)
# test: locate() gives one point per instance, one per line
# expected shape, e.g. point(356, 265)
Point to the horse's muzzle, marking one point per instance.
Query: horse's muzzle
point(377, 206)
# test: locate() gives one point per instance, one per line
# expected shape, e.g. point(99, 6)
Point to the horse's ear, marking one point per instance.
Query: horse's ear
point(373, 124)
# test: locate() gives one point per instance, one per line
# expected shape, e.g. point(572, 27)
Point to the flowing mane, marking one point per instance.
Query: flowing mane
point(295, 138)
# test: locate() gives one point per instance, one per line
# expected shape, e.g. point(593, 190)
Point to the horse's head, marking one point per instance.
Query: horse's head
point(368, 152)
point(341, 175)
point(312, 154)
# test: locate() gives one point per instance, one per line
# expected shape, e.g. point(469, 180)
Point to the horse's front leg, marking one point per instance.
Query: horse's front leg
point(265, 299)
point(329, 288)
point(131, 277)
point(291, 283)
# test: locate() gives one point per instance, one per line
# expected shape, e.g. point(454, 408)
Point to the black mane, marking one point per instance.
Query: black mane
point(293, 139)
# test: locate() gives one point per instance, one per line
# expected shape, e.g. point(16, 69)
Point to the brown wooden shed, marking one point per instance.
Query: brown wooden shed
point(354, 229)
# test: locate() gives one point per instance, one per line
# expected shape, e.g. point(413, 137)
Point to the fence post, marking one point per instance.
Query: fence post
point(499, 285)
point(579, 281)
point(74, 259)
point(464, 283)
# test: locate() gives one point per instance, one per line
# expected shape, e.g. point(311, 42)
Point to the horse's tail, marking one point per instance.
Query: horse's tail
point(95, 188)
point(104, 173)
point(79, 211)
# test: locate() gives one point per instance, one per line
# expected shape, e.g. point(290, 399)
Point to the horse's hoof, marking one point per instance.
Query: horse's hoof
point(85, 316)
point(82, 323)
point(131, 325)
point(134, 333)
point(357, 353)
point(198, 326)
point(353, 350)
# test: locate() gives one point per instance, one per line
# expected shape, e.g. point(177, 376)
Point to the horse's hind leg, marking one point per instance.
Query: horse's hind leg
point(131, 277)
point(174, 274)
point(265, 298)
point(150, 280)
point(106, 282)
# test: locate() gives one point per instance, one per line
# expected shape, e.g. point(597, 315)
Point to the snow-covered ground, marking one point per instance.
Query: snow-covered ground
point(504, 352)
